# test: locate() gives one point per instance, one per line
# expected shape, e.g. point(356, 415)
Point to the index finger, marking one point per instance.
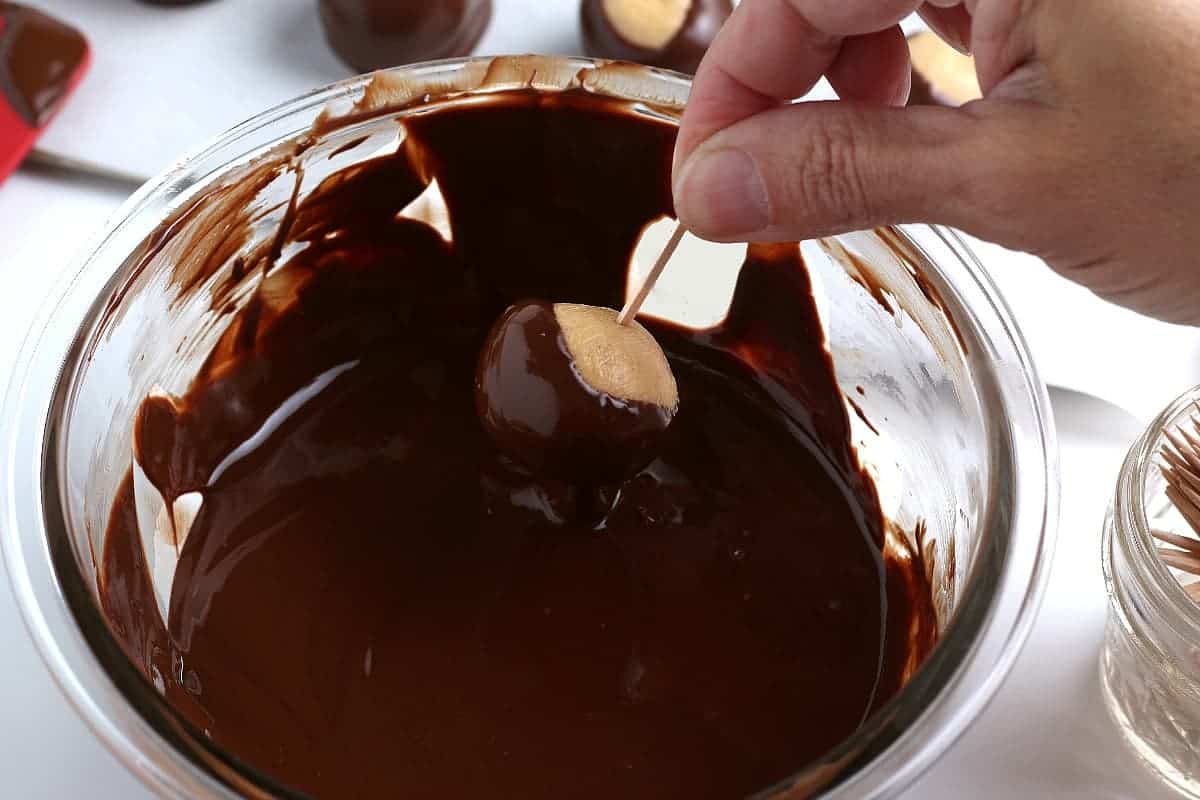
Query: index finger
point(772, 51)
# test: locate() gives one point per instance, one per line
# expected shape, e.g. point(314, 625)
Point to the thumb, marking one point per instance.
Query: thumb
point(814, 169)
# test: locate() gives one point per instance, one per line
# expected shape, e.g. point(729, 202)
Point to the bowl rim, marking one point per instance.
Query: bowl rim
point(890, 751)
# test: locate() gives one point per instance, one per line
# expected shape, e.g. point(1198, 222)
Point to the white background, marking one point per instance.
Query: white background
point(165, 80)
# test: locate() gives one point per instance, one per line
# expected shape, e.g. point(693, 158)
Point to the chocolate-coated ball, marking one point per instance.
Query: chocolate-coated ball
point(569, 393)
point(664, 33)
point(372, 34)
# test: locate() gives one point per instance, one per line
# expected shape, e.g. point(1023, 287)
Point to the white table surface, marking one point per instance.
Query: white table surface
point(1045, 735)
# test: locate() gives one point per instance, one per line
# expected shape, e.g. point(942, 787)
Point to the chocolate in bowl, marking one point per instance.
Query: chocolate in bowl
point(931, 400)
point(368, 568)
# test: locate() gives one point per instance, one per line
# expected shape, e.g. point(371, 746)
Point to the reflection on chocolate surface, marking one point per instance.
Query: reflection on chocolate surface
point(673, 34)
point(372, 34)
point(372, 600)
point(39, 59)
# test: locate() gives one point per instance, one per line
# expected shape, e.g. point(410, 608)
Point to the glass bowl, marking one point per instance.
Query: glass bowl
point(962, 447)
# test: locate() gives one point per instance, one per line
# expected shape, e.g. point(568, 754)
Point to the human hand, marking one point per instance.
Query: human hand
point(1085, 149)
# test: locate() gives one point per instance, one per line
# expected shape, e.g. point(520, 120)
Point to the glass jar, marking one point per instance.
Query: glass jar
point(966, 459)
point(1150, 665)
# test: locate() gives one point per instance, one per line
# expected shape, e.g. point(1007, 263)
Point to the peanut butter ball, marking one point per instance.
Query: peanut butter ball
point(663, 33)
point(569, 393)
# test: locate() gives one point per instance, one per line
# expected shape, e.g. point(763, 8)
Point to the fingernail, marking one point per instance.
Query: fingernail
point(905, 90)
point(958, 41)
point(721, 193)
point(955, 33)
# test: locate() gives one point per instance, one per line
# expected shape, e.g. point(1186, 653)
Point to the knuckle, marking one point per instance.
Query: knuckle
point(828, 180)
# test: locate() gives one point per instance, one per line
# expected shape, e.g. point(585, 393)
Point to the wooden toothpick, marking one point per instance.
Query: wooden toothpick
point(1179, 463)
point(635, 303)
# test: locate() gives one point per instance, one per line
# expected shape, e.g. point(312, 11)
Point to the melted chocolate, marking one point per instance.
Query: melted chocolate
point(682, 53)
point(372, 601)
point(40, 57)
point(535, 406)
point(373, 34)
